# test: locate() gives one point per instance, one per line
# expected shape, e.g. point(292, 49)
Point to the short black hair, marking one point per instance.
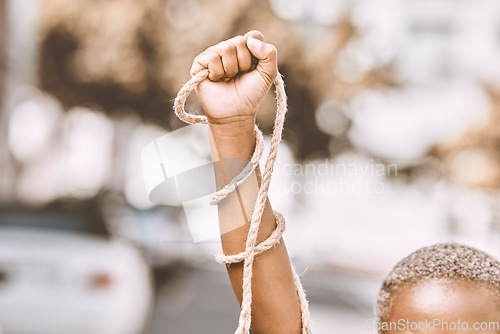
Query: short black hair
point(444, 260)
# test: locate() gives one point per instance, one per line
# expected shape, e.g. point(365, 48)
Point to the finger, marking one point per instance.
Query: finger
point(210, 60)
point(195, 68)
point(227, 51)
point(268, 58)
point(255, 34)
point(242, 53)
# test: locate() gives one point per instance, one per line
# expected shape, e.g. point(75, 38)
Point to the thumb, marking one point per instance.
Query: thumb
point(267, 56)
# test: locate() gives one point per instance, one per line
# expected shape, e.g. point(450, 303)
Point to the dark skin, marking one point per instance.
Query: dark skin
point(448, 300)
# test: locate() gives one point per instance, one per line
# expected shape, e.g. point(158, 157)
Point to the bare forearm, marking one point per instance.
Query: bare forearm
point(275, 302)
point(241, 70)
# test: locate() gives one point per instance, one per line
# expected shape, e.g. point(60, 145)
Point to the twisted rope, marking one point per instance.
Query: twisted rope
point(252, 249)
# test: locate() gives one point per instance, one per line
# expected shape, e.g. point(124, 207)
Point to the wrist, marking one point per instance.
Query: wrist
point(232, 125)
point(234, 139)
point(232, 128)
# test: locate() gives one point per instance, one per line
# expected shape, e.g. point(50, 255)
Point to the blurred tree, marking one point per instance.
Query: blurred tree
point(126, 54)
point(104, 54)
point(474, 159)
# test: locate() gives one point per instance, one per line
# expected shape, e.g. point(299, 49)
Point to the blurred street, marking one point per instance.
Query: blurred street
point(194, 300)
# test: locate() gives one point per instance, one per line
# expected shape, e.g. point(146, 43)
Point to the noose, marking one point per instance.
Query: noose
point(252, 249)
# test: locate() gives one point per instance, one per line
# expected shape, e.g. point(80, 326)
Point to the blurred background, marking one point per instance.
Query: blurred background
point(392, 142)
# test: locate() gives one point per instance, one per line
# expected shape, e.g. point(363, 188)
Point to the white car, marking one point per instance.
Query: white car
point(61, 272)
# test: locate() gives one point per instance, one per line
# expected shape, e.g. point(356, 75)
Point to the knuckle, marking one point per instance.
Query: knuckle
point(198, 58)
point(209, 50)
point(273, 51)
point(256, 32)
point(213, 57)
point(228, 48)
point(239, 39)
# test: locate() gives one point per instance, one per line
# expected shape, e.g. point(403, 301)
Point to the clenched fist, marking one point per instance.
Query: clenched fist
point(241, 71)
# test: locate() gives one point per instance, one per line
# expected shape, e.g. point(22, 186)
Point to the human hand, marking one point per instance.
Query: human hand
point(241, 71)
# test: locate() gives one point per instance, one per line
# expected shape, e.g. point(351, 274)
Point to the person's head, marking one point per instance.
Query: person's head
point(450, 286)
